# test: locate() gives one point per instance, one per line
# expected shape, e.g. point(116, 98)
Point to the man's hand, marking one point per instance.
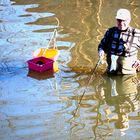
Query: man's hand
point(101, 54)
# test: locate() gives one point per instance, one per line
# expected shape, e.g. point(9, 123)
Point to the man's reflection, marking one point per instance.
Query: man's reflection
point(122, 93)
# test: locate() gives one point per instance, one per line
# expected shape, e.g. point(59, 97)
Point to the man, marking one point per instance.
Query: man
point(121, 44)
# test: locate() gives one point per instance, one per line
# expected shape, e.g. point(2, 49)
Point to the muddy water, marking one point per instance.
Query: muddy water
point(63, 105)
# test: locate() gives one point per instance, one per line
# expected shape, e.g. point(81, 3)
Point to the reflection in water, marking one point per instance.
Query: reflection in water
point(42, 106)
point(108, 109)
point(41, 75)
point(123, 94)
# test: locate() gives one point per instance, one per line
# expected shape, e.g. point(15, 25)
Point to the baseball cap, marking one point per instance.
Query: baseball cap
point(123, 14)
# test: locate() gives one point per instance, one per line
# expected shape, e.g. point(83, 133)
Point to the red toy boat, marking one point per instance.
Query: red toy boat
point(40, 64)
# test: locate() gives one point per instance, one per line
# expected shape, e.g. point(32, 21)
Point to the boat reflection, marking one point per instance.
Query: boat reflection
point(41, 75)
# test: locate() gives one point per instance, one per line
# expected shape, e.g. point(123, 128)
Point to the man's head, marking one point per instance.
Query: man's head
point(123, 18)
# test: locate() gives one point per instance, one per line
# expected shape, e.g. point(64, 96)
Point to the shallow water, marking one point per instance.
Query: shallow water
point(75, 103)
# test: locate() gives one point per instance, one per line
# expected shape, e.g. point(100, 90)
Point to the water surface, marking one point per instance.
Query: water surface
point(74, 103)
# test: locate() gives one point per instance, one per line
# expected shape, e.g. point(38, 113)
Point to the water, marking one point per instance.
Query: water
point(64, 105)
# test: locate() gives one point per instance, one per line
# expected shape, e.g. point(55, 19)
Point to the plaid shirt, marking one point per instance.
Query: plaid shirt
point(122, 43)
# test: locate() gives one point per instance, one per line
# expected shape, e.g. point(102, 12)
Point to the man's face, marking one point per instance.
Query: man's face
point(122, 24)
